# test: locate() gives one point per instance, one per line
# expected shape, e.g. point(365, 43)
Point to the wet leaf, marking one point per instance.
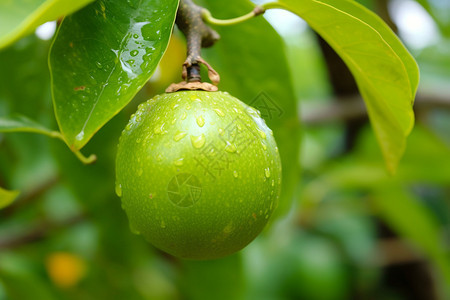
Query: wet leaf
point(101, 57)
point(386, 74)
point(18, 18)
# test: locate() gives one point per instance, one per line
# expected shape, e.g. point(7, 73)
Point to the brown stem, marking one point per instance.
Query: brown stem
point(198, 34)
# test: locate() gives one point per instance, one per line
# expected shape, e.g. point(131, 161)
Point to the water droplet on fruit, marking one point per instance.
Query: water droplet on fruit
point(198, 141)
point(179, 135)
point(178, 162)
point(200, 121)
point(221, 131)
point(188, 107)
point(261, 133)
point(173, 121)
point(128, 127)
point(235, 174)
point(267, 172)
point(134, 230)
point(231, 148)
point(159, 129)
point(276, 149)
point(119, 190)
point(273, 182)
point(264, 146)
point(184, 115)
point(219, 112)
point(98, 64)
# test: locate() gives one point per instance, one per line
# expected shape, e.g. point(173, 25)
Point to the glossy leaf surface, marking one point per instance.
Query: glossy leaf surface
point(19, 17)
point(385, 72)
point(101, 57)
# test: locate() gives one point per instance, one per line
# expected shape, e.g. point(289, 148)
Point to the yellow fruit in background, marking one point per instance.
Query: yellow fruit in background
point(65, 269)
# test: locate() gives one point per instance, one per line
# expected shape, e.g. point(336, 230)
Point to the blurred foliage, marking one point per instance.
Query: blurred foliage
point(66, 236)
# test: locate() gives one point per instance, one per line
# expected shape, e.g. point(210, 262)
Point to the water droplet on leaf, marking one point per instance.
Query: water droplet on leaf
point(267, 172)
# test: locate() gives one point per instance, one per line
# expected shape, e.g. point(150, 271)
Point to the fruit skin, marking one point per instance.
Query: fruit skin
point(225, 153)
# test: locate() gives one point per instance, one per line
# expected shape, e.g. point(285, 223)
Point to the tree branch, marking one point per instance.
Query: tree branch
point(38, 232)
point(354, 108)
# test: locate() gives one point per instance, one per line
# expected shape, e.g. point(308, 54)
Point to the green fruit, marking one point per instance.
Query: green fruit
point(199, 173)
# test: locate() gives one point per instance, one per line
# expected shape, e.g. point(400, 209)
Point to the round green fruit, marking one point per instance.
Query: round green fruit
point(199, 173)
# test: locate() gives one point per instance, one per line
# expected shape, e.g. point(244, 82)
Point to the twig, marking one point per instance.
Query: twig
point(338, 111)
point(38, 232)
point(207, 17)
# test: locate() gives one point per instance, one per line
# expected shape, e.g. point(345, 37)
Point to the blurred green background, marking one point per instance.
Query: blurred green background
point(352, 231)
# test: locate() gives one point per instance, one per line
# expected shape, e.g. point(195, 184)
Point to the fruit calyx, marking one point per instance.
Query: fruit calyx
point(192, 86)
point(192, 80)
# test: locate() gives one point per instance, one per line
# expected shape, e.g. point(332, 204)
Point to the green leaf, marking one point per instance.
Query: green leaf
point(386, 73)
point(250, 57)
point(414, 221)
point(7, 197)
point(20, 17)
point(19, 123)
point(101, 57)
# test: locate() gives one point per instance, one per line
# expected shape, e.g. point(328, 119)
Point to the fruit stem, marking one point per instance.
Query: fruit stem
point(208, 18)
point(189, 20)
point(85, 160)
